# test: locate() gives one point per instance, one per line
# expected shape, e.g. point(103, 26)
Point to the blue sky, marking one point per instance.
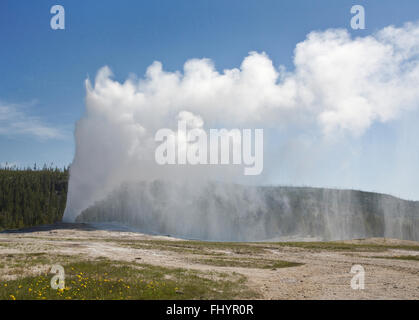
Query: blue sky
point(42, 71)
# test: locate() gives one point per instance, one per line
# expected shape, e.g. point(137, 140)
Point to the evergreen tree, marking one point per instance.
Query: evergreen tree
point(32, 196)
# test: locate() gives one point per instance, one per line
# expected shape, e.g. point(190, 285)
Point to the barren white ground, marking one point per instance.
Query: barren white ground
point(325, 274)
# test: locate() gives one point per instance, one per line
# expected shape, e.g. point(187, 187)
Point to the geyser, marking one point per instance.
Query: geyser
point(230, 212)
point(313, 117)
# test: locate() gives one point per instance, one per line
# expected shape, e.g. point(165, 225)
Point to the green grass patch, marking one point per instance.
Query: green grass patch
point(18, 260)
point(340, 246)
point(251, 248)
point(412, 258)
point(25, 260)
point(195, 247)
point(248, 263)
point(104, 279)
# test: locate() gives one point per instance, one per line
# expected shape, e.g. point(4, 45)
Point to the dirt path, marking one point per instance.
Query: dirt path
point(324, 273)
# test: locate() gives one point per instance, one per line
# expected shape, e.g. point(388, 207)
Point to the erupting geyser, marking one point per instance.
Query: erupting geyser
point(312, 117)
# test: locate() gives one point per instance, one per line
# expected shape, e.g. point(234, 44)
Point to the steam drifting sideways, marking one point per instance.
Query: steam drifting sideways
point(340, 87)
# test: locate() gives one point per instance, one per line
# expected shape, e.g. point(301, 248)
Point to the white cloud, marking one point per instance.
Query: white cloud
point(14, 121)
point(351, 83)
point(339, 83)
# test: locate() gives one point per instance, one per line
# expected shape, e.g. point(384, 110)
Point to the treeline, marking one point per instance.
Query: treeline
point(32, 196)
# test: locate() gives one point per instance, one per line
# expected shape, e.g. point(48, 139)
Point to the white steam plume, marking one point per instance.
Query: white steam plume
point(340, 87)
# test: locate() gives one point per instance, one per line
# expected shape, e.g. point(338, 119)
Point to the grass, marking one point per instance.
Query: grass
point(25, 260)
point(108, 279)
point(251, 248)
point(195, 247)
point(105, 279)
point(340, 246)
point(412, 258)
point(248, 263)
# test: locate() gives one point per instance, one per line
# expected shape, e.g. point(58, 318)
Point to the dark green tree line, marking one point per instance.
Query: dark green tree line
point(32, 196)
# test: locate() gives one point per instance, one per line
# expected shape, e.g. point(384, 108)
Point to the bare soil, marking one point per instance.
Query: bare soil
point(324, 272)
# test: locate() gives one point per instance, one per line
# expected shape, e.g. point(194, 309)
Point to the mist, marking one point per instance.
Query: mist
point(332, 121)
